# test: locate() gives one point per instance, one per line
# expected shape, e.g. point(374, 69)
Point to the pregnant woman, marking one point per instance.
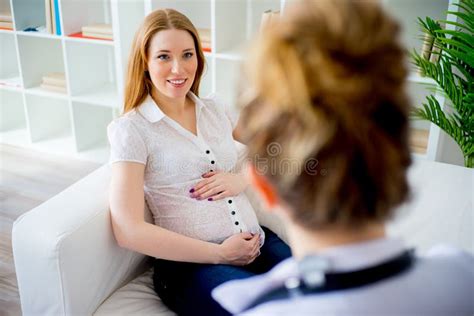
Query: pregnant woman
point(177, 152)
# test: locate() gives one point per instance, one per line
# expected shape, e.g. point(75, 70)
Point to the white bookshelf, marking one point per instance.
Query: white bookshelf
point(74, 123)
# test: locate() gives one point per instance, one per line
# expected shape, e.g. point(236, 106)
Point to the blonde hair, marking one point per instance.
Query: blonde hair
point(138, 83)
point(326, 92)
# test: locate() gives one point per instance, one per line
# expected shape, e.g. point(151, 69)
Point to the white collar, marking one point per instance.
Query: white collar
point(152, 112)
point(235, 296)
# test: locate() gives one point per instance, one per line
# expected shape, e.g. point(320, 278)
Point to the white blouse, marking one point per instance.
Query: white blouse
point(175, 161)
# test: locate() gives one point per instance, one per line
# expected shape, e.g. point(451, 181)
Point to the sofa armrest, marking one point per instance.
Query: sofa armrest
point(66, 258)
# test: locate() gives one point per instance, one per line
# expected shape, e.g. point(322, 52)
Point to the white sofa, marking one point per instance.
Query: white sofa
point(68, 263)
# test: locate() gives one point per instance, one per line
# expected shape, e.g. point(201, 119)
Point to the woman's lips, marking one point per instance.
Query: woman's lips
point(177, 83)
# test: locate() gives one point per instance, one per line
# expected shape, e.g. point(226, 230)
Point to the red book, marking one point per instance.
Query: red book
point(79, 35)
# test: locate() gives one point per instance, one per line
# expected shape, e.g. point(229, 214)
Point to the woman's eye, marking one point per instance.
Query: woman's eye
point(188, 55)
point(163, 57)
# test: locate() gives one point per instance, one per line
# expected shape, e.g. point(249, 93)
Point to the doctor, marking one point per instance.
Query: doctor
point(328, 92)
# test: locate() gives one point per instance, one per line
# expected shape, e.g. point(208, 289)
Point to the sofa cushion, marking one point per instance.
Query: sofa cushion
point(135, 298)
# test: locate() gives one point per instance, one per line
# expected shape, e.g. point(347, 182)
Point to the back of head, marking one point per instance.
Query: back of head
point(326, 114)
point(138, 83)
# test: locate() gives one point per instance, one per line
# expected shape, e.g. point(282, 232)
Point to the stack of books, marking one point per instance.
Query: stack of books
point(205, 36)
point(54, 81)
point(418, 140)
point(6, 20)
point(101, 31)
point(268, 18)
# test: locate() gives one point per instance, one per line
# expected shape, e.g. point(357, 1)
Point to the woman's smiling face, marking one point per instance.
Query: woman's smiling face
point(172, 63)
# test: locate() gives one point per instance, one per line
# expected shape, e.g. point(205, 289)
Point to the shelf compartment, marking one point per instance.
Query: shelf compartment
point(77, 14)
point(13, 118)
point(38, 57)
point(92, 72)
point(9, 69)
point(49, 123)
point(230, 25)
point(227, 76)
point(29, 13)
point(206, 79)
point(90, 126)
point(198, 11)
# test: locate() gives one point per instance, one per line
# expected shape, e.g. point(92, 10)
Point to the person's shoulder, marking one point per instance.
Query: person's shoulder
point(128, 120)
point(446, 254)
point(450, 253)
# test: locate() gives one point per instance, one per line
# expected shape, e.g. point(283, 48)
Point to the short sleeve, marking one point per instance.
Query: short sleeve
point(126, 143)
point(231, 112)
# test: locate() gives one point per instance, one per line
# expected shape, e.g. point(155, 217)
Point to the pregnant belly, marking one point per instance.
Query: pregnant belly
point(207, 223)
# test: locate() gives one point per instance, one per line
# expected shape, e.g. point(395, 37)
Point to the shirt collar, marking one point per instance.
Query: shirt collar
point(235, 296)
point(152, 112)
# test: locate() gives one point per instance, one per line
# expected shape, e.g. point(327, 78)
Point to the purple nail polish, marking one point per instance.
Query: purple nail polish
point(191, 191)
point(209, 199)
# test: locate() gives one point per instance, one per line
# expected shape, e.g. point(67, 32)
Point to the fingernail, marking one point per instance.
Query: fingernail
point(209, 199)
point(191, 191)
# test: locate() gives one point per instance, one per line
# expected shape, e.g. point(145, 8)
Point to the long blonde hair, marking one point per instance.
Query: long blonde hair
point(138, 83)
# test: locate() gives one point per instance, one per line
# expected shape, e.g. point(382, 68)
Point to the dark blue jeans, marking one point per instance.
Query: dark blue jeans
point(186, 287)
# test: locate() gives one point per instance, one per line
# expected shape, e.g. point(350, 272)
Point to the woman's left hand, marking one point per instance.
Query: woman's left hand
point(219, 185)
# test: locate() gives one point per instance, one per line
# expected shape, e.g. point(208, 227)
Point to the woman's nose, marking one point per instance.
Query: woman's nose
point(176, 68)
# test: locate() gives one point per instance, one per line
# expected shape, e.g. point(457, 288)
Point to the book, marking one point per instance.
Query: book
point(47, 12)
point(5, 16)
point(265, 20)
point(55, 79)
point(56, 17)
point(6, 25)
point(435, 54)
point(204, 35)
point(80, 35)
point(53, 88)
point(427, 46)
point(53, 17)
point(98, 35)
point(100, 28)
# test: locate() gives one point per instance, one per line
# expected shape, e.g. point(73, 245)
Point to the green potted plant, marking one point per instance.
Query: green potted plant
point(453, 71)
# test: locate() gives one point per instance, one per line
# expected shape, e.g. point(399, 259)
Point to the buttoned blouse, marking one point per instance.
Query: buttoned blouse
point(175, 160)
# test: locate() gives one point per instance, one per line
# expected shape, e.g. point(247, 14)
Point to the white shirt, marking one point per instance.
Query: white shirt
point(441, 283)
point(175, 161)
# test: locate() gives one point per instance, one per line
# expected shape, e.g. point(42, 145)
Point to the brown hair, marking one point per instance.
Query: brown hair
point(326, 115)
point(138, 83)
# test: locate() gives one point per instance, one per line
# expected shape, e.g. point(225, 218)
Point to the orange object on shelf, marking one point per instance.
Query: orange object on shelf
point(79, 35)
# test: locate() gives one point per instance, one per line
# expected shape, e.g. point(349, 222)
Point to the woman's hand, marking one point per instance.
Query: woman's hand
point(219, 185)
point(240, 249)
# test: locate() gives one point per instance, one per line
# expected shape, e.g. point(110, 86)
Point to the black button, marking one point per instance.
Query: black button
point(233, 213)
point(208, 152)
point(212, 170)
point(213, 162)
point(230, 201)
point(236, 223)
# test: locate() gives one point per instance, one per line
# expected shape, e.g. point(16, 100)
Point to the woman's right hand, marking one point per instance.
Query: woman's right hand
point(240, 249)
